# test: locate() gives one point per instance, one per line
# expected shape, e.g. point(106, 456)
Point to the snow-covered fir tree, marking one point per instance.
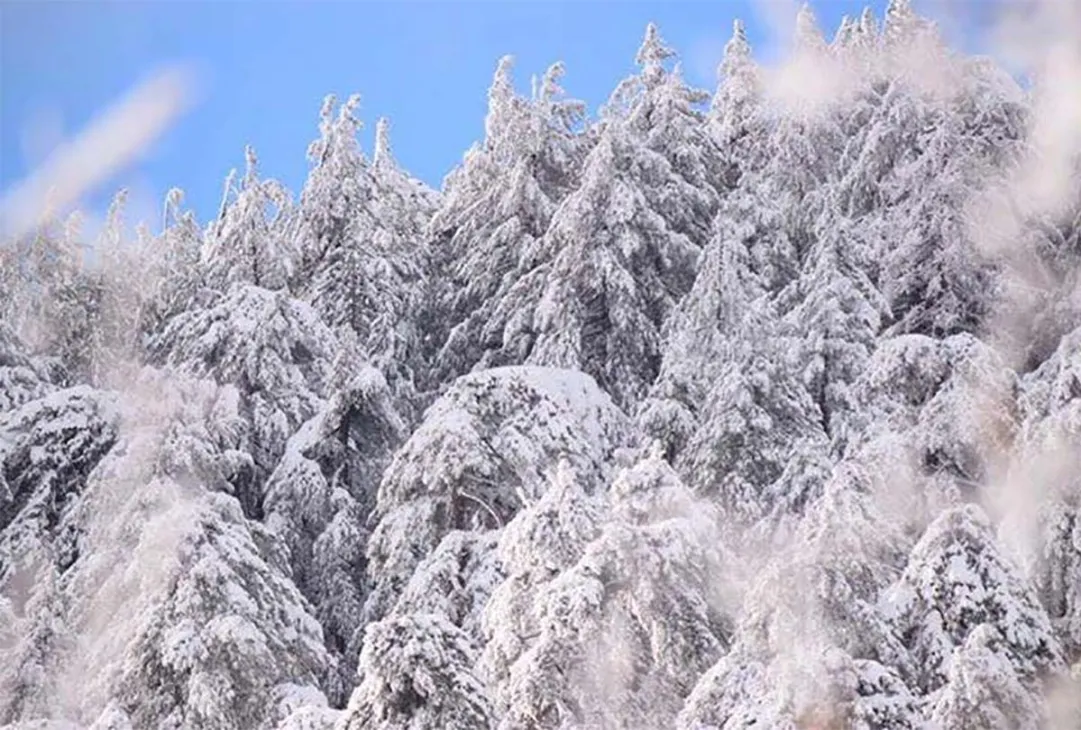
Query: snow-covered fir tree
point(417, 672)
point(245, 245)
point(752, 408)
point(499, 204)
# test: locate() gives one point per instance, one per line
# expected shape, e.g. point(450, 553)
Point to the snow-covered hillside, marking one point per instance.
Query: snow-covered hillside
point(753, 407)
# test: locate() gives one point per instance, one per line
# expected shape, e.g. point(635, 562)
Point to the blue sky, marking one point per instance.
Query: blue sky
point(264, 67)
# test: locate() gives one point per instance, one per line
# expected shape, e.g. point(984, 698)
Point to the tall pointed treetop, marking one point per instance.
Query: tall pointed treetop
point(326, 111)
point(114, 219)
point(251, 166)
point(902, 23)
point(549, 87)
point(808, 34)
point(737, 52)
point(336, 136)
point(347, 112)
point(551, 99)
point(500, 99)
point(868, 24)
point(865, 34)
point(651, 56)
point(171, 208)
point(733, 104)
point(381, 154)
point(846, 33)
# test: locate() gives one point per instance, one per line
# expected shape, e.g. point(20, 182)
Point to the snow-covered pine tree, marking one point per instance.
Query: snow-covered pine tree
point(486, 444)
point(360, 262)
point(903, 25)
point(48, 448)
point(811, 647)
point(957, 579)
point(246, 244)
point(710, 330)
point(417, 671)
point(815, 595)
point(318, 500)
point(1046, 525)
point(232, 628)
point(544, 539)
point(740, 691)
point(983, 689)
point(1041, 300)
point(330, 221)
point(498, 206)
point(175, 267)
point(25, 272)
point(941, 414)
point(838, 318)
point(402, 207)
point(118, 271)
point(737, 118)
point(625, 632)
point(932, 278)
point(184, 610)
point(22, 377)
point(728, 403)
point(919, 144)
point(274, 349)
point(456, 581)
point(30, 681)
point(630, 237)
point(57, 303)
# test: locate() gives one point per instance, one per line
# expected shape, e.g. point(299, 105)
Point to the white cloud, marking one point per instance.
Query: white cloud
point(110, 144)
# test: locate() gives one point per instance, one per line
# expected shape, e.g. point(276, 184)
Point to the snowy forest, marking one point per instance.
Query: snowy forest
point(752, 407)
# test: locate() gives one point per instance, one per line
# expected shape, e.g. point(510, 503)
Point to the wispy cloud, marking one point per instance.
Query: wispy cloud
point(110, 144)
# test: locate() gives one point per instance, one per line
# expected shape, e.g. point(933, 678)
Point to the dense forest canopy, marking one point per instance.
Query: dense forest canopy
point(753, 406)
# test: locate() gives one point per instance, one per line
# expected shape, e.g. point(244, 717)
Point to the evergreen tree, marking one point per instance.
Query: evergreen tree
point(22, 377)
point(416, 671)
point(30, 681)
point(482, 449)
point(624, 634)
point(402, 207)
point(544, 539)
point(711, 328)
point(330, 218)
point(274, 349)
point(737, 115)
point(956, 580)
point(983, 690)
point(246, 245)
point(628, 251)
point(1050, 403)
point(176, 270)
point(499, 207)
point(842, 313)
point(728, 403)
point(818, 596)
point(456, 580)
point(185, 610)
point(48, 449)
point(62, 312)
point(360, 263)
point(317, 501)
